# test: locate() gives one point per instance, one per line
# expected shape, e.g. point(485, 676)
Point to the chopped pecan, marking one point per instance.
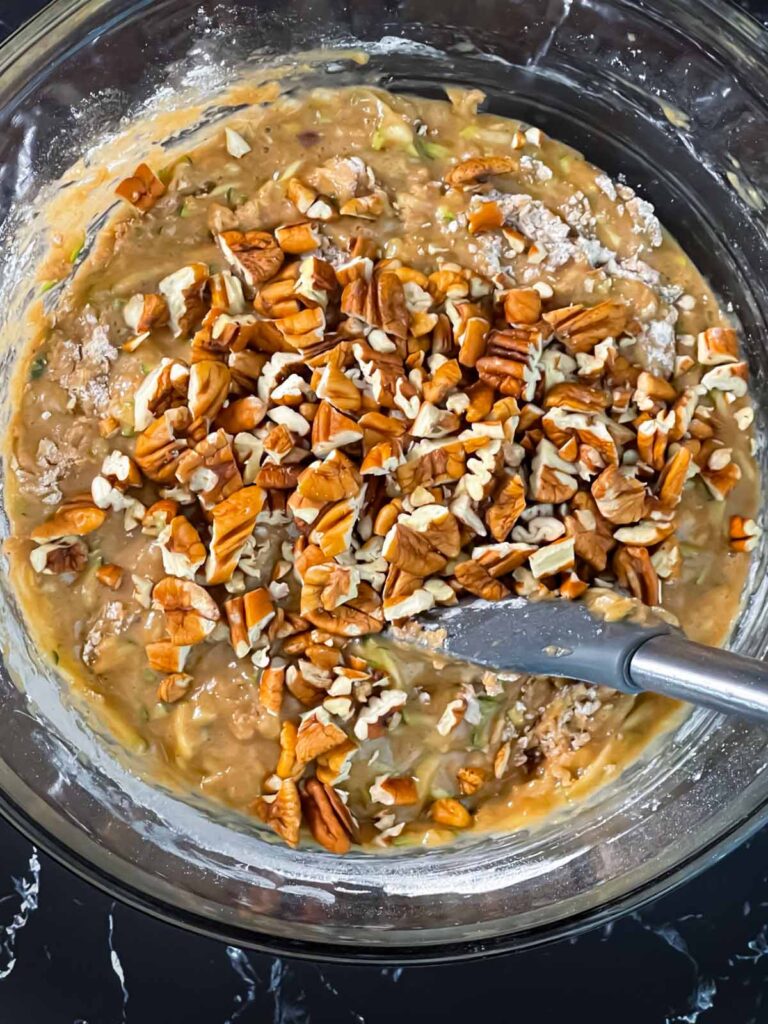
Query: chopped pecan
point(244, 414)
point(335, 387)
point(159, 447)
point(471, 172)
point(173, 687)
point(283, 813)
point(470, 779)
point(334, 478)
point(271, 685)
point(333, 527)
point(191, 613)
point(447, 811)
point(182, 550)
point(287, 760)
point(506, 507)
point(672, 479)
point(620, 498)
point(576, 397)
point(559, 556)
point(233, 521)
point(254, 256)
point(717, 345)
point(475, 578)
point(183, 293)
point(635, 571)
point(743, 533)
point(378, 303)
point(297, 239)
point(145, 312)
point(581, 329)
point(522, 306)
point(209, 382)
point(485, 216)
point(110, 575)
point(317, 735)
point(165, 657)
point(142, 189)
point(164, 388)
point(357, 617)
point(593, 537)
point(272, 476)
point(332, 429)
point(327, 816)
point(67, 554)
point(76, 517)
point(210, 470)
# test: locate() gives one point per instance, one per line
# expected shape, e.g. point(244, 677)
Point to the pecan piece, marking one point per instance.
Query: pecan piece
point(634, 570)
point(450, 812)
point(244, 414)
point(592, 535)
point(672, 478)
point(67, 554)
point(210, 470)
point(209, 382)
point(283, 813)
point(142, 189)
point(76, 517)
point(271, 685)
point(248, 616)
point(254, 256)
point(475, 578)
point(506, 508)
point(581, 329)
point(191, 613)
point(478, 168)
point(522, 306)
point(743, 533)
point(145, 312)
point(233, 521)
point(316, 736)
point(160, 446)
point(183, 293)
point(718, 345)
point(182, 550)
point(334, 478)
point(173, 687)
point(621, 499)
point(110, 576)
point(327, 817)
point(165, 657)
point(297, 239)
point(164, 388)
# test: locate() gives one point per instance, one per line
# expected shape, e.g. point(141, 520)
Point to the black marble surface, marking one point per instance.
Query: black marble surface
point(70, 955)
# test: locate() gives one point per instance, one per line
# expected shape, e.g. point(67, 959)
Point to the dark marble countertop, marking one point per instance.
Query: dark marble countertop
point(70, 955)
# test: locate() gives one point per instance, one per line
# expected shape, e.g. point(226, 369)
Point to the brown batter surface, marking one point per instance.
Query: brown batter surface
point(356, 356)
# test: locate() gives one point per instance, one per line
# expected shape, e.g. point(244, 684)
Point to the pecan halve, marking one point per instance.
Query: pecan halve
point(327, 817)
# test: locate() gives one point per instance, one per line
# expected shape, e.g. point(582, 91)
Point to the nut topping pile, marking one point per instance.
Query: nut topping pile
point(342, 440)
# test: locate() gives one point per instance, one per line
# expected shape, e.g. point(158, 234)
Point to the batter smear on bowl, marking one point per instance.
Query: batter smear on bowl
point(356, 356)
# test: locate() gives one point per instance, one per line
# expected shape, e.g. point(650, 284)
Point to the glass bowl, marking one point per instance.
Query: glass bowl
point(671, 93)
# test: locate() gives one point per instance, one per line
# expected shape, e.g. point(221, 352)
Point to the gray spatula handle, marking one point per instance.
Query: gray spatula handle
point(562, 638)
point(717, 679)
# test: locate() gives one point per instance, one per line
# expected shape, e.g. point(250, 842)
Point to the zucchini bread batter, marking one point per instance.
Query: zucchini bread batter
point(356, 356)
